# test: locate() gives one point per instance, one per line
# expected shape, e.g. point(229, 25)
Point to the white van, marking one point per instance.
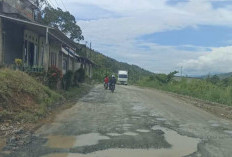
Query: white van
point(123, 77)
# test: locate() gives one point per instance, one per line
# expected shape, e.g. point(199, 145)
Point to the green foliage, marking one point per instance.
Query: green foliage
point(22, 97)
point(54, 75)
point(64, 21)
point(68, 80)
point(171, 75)
point(76, 92)
point(226, 82)
point(163, 78)
point(80, 75)
point(75, 78)
point(214, 79)
point(99, 74)
point(109, 66)
point(212, 89)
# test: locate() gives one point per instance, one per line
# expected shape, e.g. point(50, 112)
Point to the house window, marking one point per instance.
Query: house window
point(65, 66)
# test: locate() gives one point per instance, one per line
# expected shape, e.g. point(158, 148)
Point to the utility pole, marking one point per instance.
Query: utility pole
point(86, 46)
point(90, 46)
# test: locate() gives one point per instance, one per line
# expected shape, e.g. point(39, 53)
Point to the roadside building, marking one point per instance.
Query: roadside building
point(39, 46)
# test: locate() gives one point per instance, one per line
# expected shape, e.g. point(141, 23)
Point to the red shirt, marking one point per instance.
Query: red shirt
point(106, 80)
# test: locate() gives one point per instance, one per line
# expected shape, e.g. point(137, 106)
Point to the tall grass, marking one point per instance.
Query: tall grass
point(201, 89)
point(24, 98)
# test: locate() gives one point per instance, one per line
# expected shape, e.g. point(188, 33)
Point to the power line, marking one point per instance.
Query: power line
point(50, 2)
point(63, 5)
point(57, 3)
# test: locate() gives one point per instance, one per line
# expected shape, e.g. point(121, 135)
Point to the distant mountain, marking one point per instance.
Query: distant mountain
point(225, 75)
point(221, 76)
point(109, 66)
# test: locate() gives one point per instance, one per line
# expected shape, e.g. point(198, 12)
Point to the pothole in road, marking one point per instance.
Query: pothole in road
point(181, 145)
point(161, 119)
point(114, 134)
point(212, 121)
point(215, 125)
point(142, 130)
point(228, 132)
point(130, 133)
point(126, 153)
point(138, 108)
point(61, 141)
point(127, 125)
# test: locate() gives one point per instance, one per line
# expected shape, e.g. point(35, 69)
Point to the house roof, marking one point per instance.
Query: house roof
point(55, 33)
point(33, 3)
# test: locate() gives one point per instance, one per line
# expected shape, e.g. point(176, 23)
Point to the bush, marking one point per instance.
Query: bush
point(22, 97)
point(202, 89)
point(68, 80)
point(80, 75)
point(54, 76)
point(214, 79)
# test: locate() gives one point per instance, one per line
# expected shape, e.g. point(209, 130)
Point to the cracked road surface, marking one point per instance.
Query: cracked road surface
point(134, 122)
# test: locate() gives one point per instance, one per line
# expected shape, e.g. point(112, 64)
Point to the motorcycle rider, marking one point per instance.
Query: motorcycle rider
point(112, 80)
point(106, 81)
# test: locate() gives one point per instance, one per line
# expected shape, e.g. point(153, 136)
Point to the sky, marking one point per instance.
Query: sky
point(159, 35)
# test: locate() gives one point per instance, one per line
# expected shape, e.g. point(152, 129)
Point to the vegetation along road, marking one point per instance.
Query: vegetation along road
point(134, 122)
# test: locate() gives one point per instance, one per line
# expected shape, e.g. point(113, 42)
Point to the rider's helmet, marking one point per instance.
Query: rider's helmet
point(113, 76)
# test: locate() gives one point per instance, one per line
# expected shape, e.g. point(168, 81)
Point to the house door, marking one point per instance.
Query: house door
point(31, 54)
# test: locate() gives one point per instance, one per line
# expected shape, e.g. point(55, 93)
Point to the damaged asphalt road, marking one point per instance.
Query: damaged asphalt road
point(130, 122)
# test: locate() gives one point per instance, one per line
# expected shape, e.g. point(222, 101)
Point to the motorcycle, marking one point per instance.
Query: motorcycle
point(106, 86)
point(112, 87)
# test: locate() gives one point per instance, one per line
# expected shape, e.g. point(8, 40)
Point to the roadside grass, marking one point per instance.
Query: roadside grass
point(201, 89)
point(22, 98)
point(25, 99)
point(76, 92)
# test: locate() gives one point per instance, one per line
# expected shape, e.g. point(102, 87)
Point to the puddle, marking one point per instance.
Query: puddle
point(212, 121)
point(127, 125)
point(89, 139)
point(130, 133)
point(215, 125)
point(142, 130)
point(138, 108)
point(114, 134)
point(161, 119)
point(59, 155)
point(153, 114)
point(127, 153)
point(228, 132)
point(180, 144)
point(74, 141)
point(126, 128)
point(135, 117)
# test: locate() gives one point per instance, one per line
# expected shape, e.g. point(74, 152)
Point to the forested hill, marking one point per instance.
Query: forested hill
point(109, 66)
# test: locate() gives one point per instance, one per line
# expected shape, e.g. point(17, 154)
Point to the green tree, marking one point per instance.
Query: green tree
point(171, 75)
point(64, 21)
point(214, 79)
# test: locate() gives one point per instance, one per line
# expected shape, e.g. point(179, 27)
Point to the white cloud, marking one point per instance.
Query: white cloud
point(217, 61)
point(116, 36)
